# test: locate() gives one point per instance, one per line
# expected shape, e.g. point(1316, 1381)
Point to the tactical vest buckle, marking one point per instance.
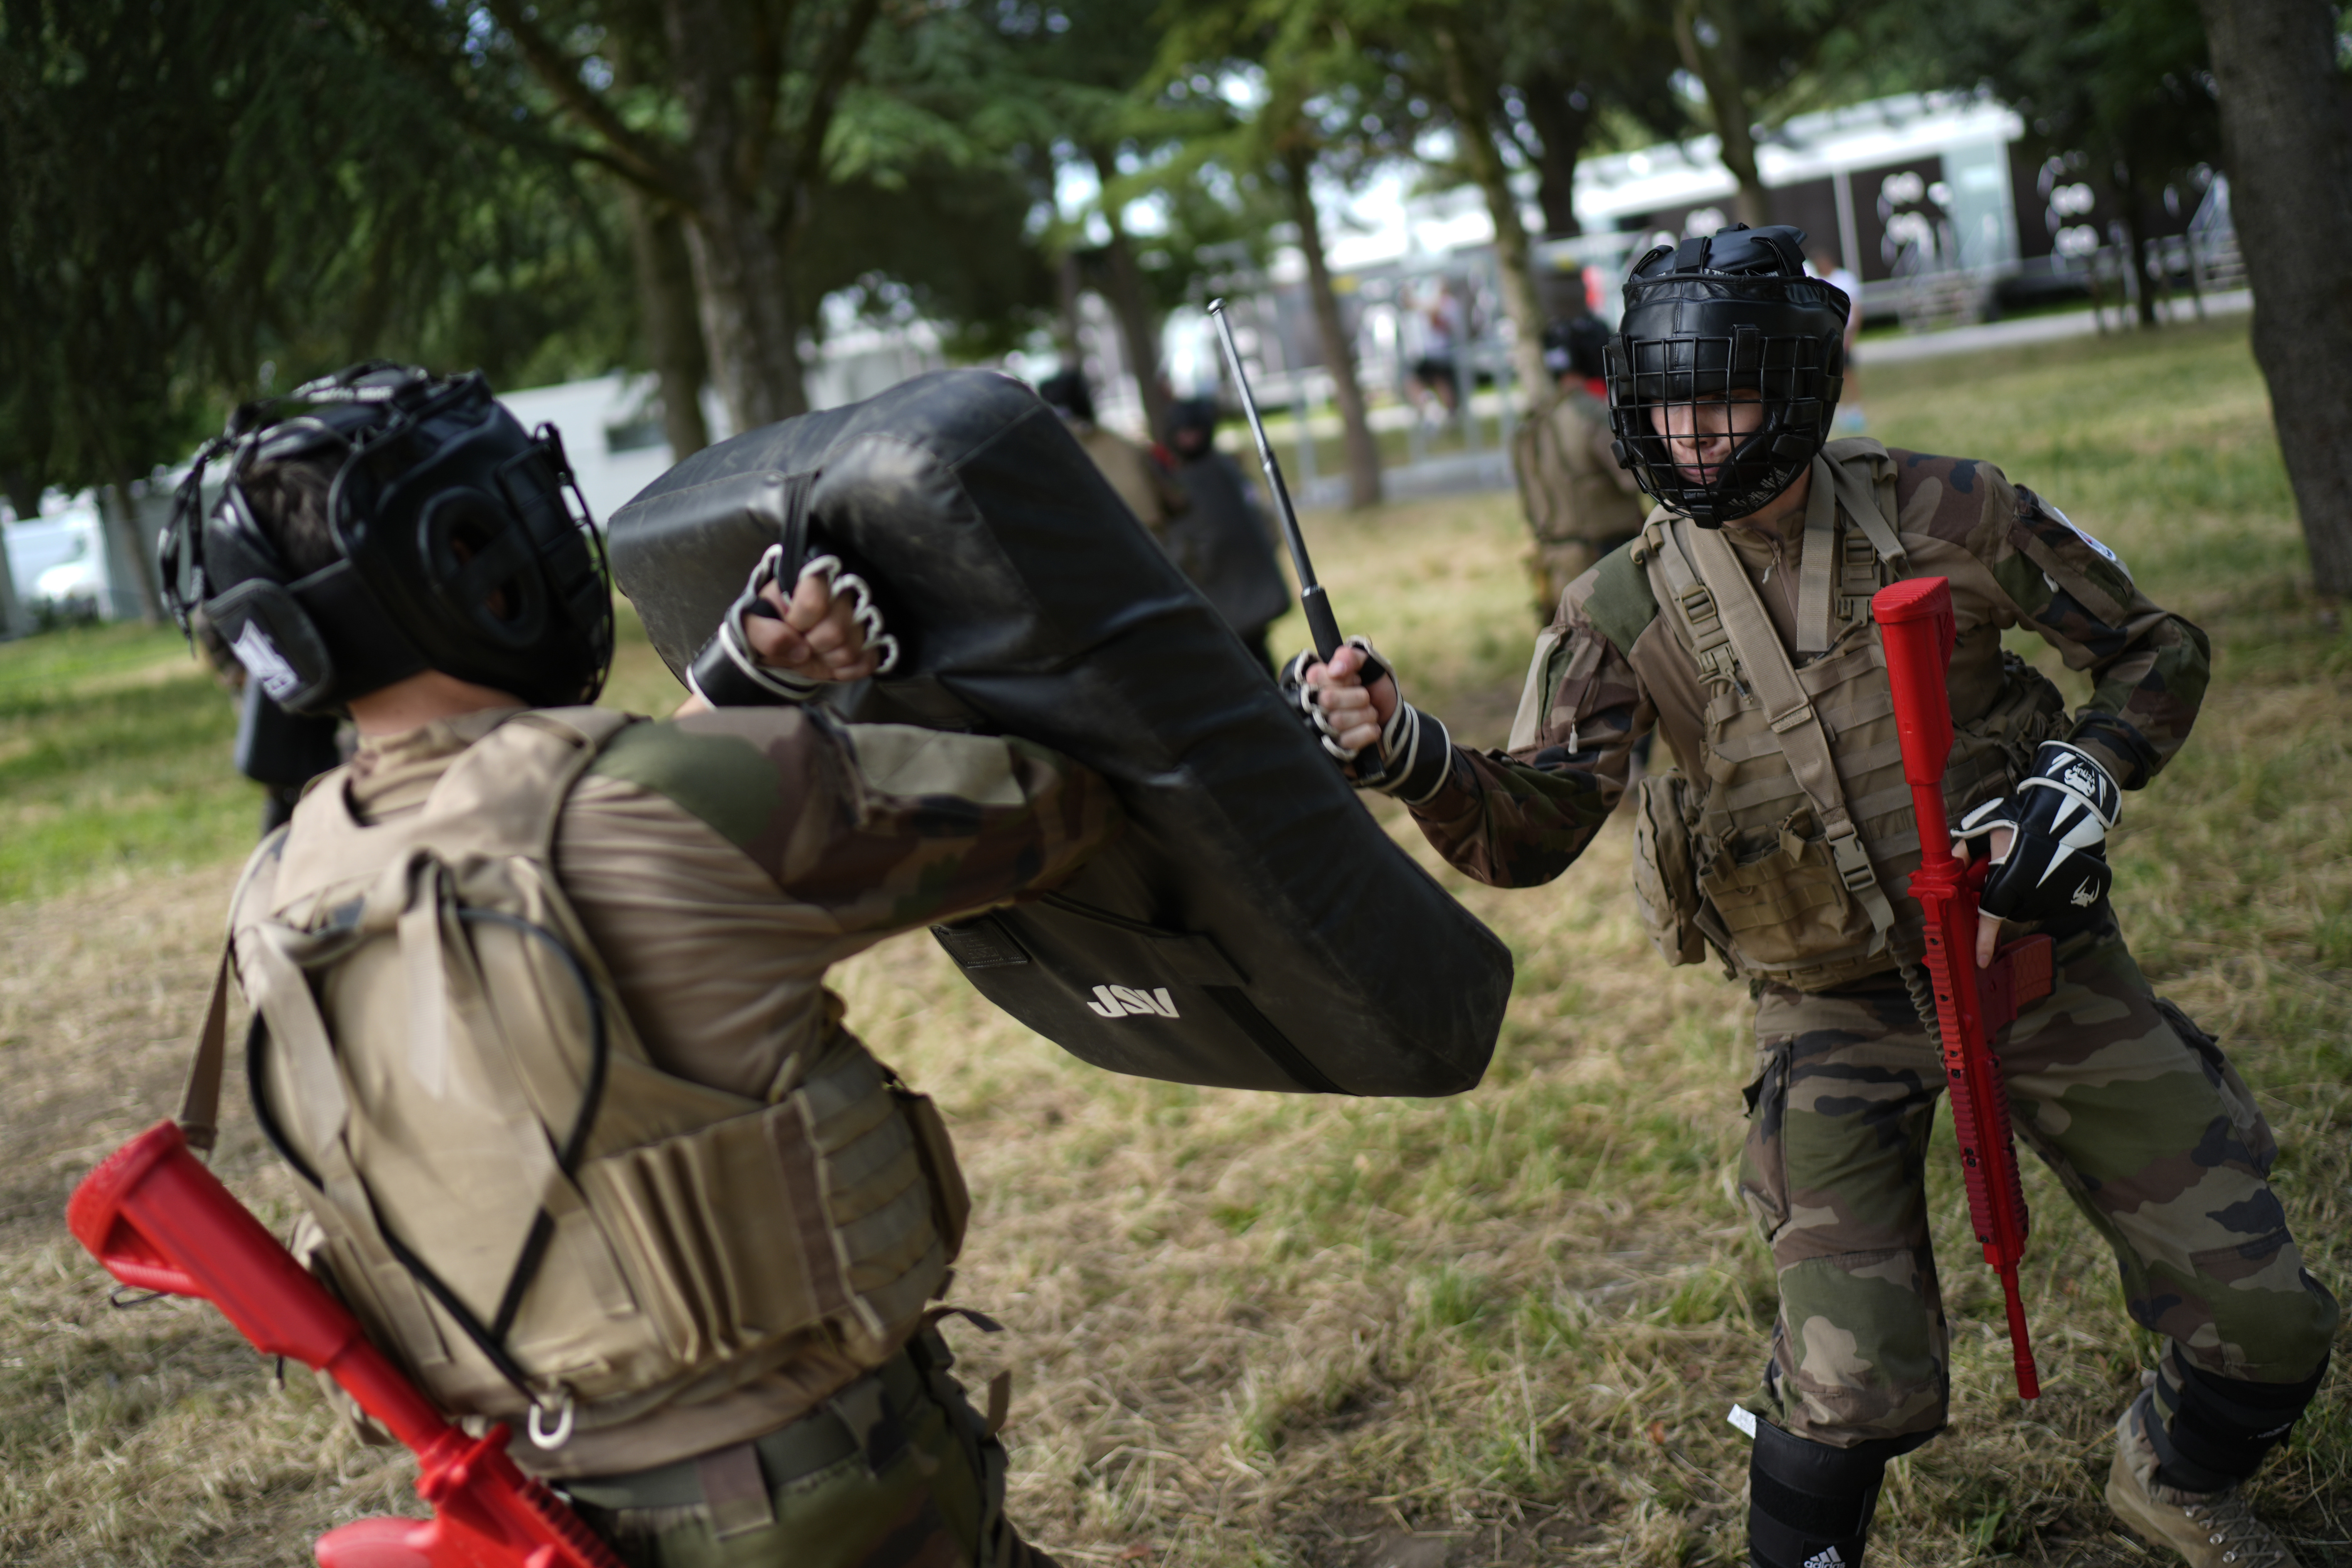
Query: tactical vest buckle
point(1852, 861)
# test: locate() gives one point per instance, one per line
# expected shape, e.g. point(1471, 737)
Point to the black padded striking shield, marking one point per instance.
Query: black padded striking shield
point(1253, 927)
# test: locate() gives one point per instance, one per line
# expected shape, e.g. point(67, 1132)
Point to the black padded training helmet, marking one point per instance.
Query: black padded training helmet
point(453, 547)
point(1705, 322)
point(1576, 347)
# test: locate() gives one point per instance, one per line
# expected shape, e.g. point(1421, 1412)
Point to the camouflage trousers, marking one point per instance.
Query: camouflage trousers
point(2151, 1131)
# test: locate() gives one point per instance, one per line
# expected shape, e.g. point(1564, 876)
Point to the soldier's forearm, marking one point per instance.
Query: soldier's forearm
point(1511, 825)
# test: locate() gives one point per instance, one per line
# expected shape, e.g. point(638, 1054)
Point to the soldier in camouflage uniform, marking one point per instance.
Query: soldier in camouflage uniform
point(1579, 504)
point(791, 1207)
point(1737, 626)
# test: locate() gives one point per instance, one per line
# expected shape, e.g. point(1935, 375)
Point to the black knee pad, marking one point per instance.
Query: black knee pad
point(1809, 1505)
point(2223, 1428)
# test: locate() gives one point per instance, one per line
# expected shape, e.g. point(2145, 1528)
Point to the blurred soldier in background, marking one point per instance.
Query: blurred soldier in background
point(1139, 474)
point(1579, 504)
point(1221, 540)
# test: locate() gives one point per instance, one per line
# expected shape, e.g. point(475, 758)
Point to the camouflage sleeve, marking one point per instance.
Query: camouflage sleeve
point(1519, 818)
point(884, 827)
point(2149, 666)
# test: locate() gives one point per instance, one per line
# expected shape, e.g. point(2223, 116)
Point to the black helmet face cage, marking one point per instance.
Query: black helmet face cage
point(1717, 427)
point(1721, 381)
point(459, 551)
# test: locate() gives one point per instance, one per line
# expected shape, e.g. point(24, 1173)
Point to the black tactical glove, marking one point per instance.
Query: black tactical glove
point(2060, 814)
point(1413, 754)
point(726, 674)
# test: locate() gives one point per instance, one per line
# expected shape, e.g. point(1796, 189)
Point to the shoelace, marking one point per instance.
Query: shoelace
point(2233, 1526)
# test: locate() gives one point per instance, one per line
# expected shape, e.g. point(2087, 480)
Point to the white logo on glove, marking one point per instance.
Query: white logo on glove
point(1123, 1001)
point(2082, 779)
point(2087, 895)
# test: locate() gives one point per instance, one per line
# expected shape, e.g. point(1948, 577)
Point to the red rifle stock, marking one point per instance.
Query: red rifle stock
point(158, 1220)
point(1914, 620)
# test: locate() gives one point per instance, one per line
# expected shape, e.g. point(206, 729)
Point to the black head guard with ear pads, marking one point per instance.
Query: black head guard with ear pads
point(454, 547)
point(1713, 323)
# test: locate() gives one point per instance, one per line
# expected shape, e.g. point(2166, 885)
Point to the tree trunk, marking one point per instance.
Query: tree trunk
point(1562, 115)
point(748, 332)
point(673, 331)
point(1471, 98)
point(1338, 349)
point(128, 554)
point(1139, 323)
point(1717, 66)
point(739, 220)
point(2285, 123)
point(1066, 320)
point(12, 614)
point(2125, 182)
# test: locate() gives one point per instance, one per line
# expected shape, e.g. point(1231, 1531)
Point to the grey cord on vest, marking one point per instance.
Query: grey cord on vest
point(1916, 981)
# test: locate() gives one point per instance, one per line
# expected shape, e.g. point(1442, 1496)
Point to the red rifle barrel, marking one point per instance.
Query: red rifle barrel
point(157, 1219)
point(1916, 624)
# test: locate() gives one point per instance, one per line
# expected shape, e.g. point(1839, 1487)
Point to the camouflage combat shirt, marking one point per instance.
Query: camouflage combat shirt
point(1519, 817)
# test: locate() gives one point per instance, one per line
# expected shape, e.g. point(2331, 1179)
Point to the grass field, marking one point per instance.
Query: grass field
point(1500, 1329)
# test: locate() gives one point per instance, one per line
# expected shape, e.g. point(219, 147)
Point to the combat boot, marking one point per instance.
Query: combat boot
point(2211, 1530)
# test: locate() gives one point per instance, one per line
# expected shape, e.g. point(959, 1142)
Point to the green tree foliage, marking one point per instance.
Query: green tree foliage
point(1759, 59)
point(209, 199)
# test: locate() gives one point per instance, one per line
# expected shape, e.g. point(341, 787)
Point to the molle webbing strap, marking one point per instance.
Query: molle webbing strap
point(1790, 712)
point(1694, 605)
point(1860, 500)
point(1817, 622)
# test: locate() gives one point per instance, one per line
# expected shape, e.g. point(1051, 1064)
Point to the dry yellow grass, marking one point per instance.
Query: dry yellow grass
point(1501, 1328)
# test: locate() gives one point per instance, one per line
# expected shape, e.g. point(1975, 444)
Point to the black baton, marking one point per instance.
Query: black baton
point(1321, 625)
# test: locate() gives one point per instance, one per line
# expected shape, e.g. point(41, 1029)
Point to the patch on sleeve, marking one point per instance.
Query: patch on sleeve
point(2084, 535)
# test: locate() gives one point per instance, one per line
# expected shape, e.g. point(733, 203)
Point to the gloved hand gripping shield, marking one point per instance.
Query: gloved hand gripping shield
point(449, 539)
point(1726, 370)
point(726, 674)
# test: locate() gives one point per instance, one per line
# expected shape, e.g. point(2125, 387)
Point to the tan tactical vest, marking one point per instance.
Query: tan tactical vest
point(527, 1212)
point(1788, 847)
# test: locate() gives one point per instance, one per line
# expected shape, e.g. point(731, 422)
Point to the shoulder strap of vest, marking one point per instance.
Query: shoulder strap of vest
point(1689, 600)
point(1855, 463)
point(1790, 713)
point(1815, 627)
point(1621, 606)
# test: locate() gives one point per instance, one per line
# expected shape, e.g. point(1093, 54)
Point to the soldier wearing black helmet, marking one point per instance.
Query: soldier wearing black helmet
point(1580, 503)
point(541, 1024)
point(1781, 847)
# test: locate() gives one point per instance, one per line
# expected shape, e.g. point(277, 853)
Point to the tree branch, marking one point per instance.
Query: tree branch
point(636, 158)
point(832, 74)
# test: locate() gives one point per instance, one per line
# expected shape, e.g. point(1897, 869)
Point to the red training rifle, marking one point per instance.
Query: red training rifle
point(158, 1220)
point(1915, 619)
